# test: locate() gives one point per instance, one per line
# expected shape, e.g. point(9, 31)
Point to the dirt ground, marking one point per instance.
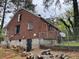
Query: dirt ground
point(9, 54)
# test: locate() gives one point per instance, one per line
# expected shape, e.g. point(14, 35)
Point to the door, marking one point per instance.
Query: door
point(29, 45)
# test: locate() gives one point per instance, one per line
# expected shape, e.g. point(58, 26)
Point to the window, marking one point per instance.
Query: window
point(19, 17)
point(30, 26)
point(10, 40)
point(49, 27)
point(17, 29)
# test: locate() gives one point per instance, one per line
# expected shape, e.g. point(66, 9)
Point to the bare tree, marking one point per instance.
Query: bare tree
point(75, 23)
point(3, 14)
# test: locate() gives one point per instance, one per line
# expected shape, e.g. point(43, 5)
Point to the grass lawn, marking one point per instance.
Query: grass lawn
point(70, 44)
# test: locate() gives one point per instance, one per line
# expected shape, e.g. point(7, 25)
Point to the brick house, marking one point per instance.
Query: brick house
point(27, 29)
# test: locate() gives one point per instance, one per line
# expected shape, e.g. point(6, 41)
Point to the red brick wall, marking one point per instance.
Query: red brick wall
point(39, 26)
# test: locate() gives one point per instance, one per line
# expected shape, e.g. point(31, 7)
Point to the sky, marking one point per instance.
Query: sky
point(53, 11)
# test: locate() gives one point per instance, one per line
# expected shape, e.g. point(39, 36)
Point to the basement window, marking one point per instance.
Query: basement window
point(17, 29)
point(19, 40)
point(19, 17)
point(10, 40)
point(30, 26)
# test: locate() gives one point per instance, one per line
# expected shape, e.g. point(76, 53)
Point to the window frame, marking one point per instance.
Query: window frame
point(19, 17)
point(50, 28)
point(16, 29)
point(30, 25)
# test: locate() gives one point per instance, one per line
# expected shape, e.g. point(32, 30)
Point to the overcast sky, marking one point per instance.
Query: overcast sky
point(53, 10)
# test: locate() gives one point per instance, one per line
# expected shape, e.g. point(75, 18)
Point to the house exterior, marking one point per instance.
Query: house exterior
point(25, 29)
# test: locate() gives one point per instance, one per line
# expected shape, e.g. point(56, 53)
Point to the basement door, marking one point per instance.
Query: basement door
point(29, 45)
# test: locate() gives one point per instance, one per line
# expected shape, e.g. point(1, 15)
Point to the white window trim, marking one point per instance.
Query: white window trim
point(19, 15)
point(30, 26)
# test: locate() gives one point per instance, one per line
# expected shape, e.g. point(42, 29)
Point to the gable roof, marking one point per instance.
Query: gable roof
point(36, 16)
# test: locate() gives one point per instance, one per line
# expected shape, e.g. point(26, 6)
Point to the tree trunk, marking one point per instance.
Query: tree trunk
point(76, 19)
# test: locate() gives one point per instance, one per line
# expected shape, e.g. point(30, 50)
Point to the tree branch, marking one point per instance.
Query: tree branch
point(70, 21)
point(64, 23)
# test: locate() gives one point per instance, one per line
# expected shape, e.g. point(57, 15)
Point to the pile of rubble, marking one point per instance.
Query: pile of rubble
point(45, 54)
